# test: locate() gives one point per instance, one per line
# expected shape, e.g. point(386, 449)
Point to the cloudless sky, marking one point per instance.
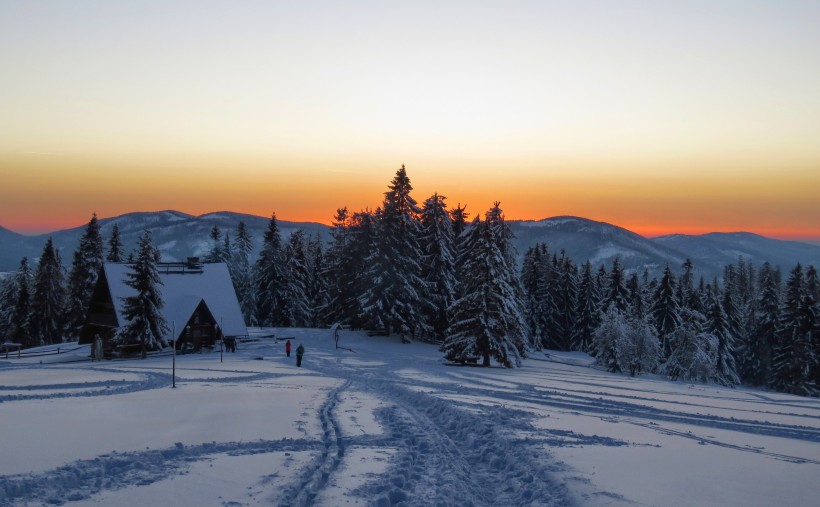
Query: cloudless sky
point(660, 117)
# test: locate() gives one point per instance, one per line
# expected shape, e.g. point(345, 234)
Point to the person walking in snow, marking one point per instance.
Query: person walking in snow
point(287, 348)
point(300, 351)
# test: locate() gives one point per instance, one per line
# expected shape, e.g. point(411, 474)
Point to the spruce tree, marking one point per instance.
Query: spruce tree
point(294, 304)
point(317, 291)
point(694, 350)
point(20, 318)
point(587, 310)
point(115, 247)
point(536, 275)
point(144, 323)
point(48, 297)
point(269, 277)
point(217, 253)
point(396, 295)
point(767, 317)
point(616, 293)
point(666, 310)
point(564, 294)
point(338, 277)
point(810, 310)
point(718, 325)
point(242, 273)
point(85, 268)
point(439, 267)
point(487, 321)
point(792, 354)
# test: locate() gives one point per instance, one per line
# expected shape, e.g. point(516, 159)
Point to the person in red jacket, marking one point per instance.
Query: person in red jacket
point(287, 348)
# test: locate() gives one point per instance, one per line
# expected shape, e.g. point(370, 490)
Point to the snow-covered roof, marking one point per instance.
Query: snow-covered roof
point(182, 292)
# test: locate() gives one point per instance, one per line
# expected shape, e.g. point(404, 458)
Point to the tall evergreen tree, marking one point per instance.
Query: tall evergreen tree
point(564, 291)
point(217, 252)
point(269, 277)
point(243, 274)
point(694, 350)
point(458, 216)
point(144, 323)
point(717, 324)
point(487, 321)
point(317, 290)
point(439, 267)
point(48, 297)
point(666, 311)
point(396, 298)
point(536, 278)
point(616, 293)
point(294, 303)
point(587, 310)
point(85, 268)
point(811, 319)
point(792, 354)
point(20, 319)
point(766, 326)
point(115, 247)
point(338, 278)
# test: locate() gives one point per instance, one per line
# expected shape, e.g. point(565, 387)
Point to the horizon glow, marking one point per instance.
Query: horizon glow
point(677, 117)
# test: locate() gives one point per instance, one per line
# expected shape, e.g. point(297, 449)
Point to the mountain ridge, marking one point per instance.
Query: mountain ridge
point(179, 235)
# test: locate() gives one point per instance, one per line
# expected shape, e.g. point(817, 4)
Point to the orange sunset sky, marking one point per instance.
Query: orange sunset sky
point(659, 117)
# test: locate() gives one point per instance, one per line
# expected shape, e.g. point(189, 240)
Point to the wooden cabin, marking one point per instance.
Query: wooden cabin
point(200, 305)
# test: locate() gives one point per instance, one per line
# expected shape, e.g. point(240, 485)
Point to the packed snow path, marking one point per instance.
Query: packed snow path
point(382, 423)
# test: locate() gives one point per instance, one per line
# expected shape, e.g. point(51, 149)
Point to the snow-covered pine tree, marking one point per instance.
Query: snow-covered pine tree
point(536, 275)
point(637, 304)
point(85, 268)
point(564, 294)
point(487, 320)
point(439, 266)
point(666, 311)
point(616, 293)
point(115, 247)
point(694, 351)
point(811, 319)
point(718, 325)
point(47, 298)
point(337, 278)
point(459, 217)
point(767, 317)
point(294, 306)
point(242, 273)
point(641, 346)
point(606, 339)
point(317, 286)
point(397, 294)
point(144, 323)
point(792, 354)
point(268, 277)
point(8, 298)
point(356, 275)
point(587, 310)
point(216, 254)
point(20, 318)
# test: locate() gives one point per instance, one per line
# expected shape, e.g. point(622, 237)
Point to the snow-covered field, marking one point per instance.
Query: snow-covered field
point(382, 423)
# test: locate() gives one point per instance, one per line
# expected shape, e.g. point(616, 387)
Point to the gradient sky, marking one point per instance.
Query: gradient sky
point(659, 117)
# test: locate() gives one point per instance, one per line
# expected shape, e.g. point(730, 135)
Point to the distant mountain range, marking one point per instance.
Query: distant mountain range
point(179, 235)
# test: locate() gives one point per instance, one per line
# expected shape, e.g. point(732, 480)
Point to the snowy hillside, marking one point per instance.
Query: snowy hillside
point(382, 423)
point(177, 235)
point(724, 248)
point(599, 242)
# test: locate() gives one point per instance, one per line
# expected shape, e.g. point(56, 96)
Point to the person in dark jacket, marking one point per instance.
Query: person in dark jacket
point(287, 348)
point(300, 351)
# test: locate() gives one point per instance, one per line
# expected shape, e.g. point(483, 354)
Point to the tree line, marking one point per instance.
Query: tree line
point(426, 272)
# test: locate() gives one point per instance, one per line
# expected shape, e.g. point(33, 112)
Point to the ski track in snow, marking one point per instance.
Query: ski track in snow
point(449, 451)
